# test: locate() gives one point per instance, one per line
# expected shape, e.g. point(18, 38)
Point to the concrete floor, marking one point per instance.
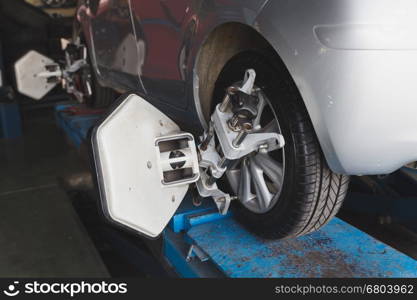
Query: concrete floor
point(40, 233)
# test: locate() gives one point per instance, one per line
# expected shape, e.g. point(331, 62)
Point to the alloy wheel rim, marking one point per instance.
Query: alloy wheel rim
point(257, 179)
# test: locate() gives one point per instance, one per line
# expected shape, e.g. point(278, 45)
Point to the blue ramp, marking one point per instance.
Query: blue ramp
point(337, 250)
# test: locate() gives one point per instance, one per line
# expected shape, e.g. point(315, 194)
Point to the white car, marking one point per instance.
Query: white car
point(334, 94)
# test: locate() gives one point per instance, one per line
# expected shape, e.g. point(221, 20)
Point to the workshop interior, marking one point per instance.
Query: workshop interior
point(208, 139)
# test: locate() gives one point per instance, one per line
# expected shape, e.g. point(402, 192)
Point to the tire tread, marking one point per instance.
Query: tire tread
point(314, 194)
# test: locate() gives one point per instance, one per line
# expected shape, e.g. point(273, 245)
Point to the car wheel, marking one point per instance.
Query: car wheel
point(94, 94)
point(290, 191)
point(101, 97)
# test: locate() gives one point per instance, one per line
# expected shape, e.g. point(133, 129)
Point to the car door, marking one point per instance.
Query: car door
point(159, 27)
point(116, 50)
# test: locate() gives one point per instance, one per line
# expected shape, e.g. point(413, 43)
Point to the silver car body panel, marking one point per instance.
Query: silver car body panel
point(354, 62)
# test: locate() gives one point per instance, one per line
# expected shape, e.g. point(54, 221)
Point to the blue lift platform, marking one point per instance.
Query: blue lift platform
point(199, 242)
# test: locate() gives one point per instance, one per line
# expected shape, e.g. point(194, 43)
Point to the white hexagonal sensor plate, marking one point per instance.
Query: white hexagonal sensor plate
point(144, 165)
point(27, 69)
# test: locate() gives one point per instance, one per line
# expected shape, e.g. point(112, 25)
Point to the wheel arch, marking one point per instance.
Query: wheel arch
point(221, 44)
point(227, 40)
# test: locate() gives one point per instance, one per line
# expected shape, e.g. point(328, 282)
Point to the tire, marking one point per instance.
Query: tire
point(311, 194)
point(101, 97)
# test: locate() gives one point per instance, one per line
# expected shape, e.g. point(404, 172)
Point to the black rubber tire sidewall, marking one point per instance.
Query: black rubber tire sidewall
point(282, 220)
point(101, 97)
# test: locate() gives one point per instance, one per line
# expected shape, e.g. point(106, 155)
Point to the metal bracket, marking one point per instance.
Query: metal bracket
point(177, 159)
point(196, 251)
point(221, 199)
point(63, 73)
point(251, 143)
point(210, 159)
point(248, 81)
point(234, 144)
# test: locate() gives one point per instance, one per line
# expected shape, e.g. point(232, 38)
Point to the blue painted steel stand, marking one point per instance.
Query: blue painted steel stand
point(10, 122)
point(337, 250)
point(226, 249)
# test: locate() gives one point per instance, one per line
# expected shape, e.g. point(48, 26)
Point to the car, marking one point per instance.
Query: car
point(337, 80)
point(58, 3)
